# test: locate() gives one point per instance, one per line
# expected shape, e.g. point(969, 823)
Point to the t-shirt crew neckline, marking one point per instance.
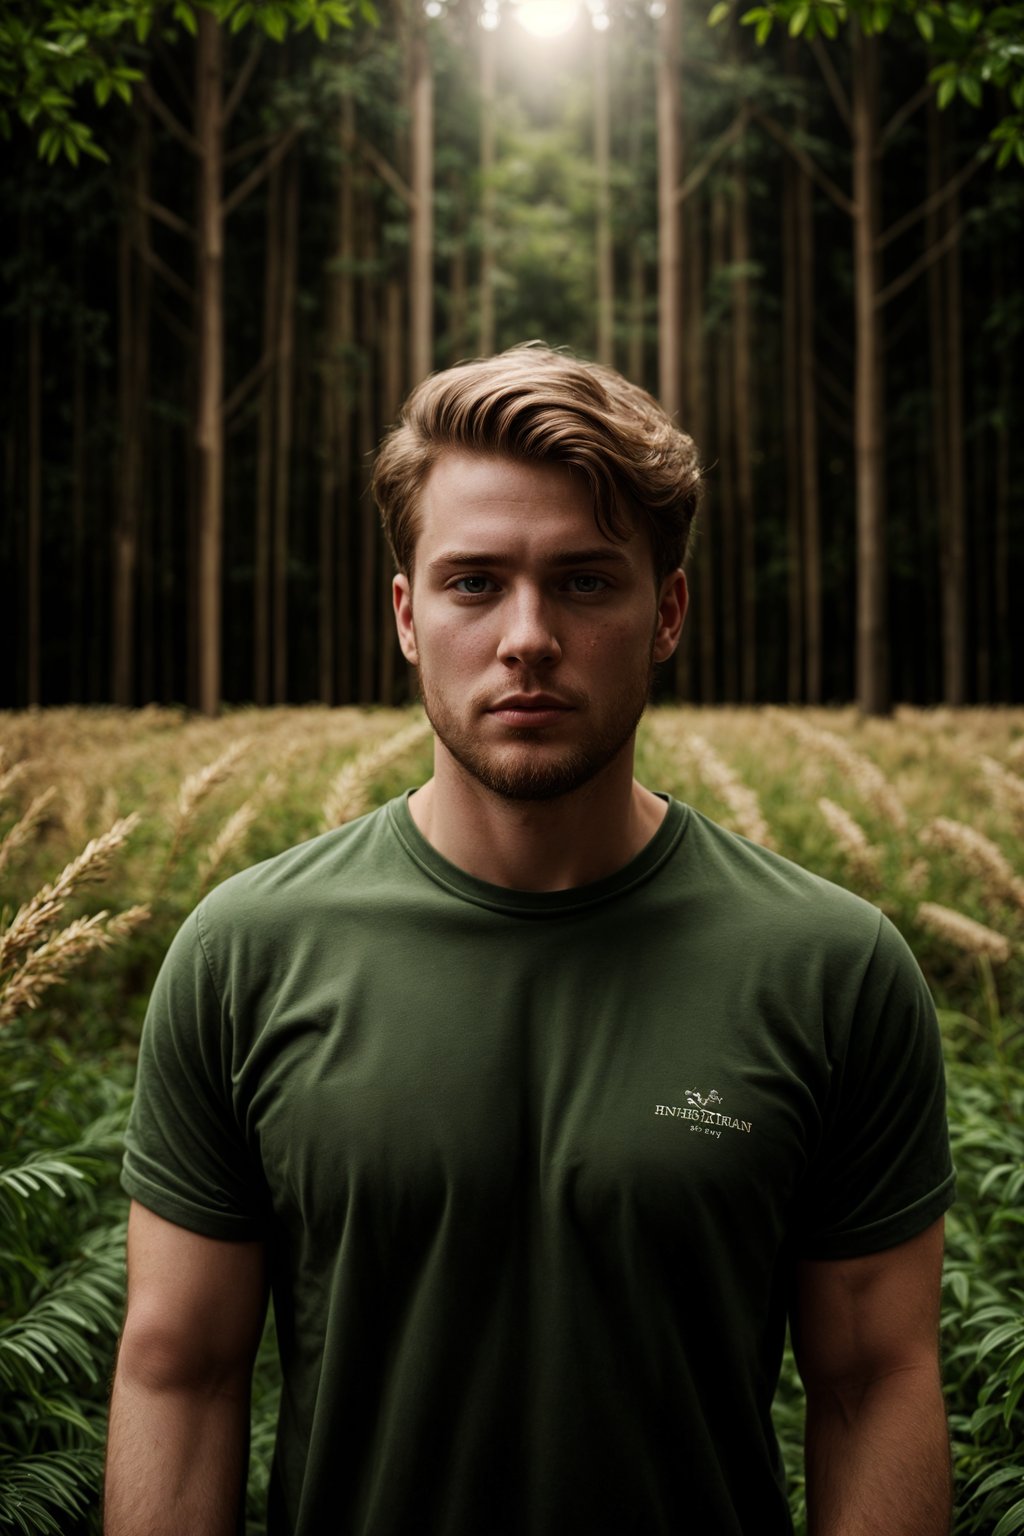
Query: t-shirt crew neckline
point(500, 898)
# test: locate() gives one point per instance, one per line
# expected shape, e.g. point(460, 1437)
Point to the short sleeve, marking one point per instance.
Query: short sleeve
point(185, 1153)
point(883, 1171)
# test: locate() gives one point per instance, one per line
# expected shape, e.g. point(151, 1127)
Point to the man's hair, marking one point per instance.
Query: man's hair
point(540, 406)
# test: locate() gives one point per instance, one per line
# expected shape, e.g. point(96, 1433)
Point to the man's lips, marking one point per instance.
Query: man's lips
point(531, 709)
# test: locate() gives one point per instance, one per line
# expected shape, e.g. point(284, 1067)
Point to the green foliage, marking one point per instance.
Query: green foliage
point(54, 52)
point(977, 50)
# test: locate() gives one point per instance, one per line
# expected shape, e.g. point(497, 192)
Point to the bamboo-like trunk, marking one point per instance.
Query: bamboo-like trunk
point(955, 535)
point(261, 612)
point(391, 393)
point(488, 61)
point(283, 413)
point(78, 498)
point(421, 241)
point(743, 418)
point(669, 252)
point(869, 450)
point(602, 158)
point(790, 323)
point(210, 382)
point(724, 456)
point(810, 492)
point(1004, 679)
point(35, 509)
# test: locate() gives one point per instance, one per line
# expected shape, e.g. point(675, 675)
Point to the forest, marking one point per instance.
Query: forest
point(235, 234)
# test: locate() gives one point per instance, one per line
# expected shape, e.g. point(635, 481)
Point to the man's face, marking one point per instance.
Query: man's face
point(535, 635)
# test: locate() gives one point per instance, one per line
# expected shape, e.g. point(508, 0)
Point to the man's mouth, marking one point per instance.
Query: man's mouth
point(534, 709)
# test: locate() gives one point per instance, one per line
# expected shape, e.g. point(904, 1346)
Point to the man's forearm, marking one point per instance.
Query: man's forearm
point(176, 1457)
point(877, 1458)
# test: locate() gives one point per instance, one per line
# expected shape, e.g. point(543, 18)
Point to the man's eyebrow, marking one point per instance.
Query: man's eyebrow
point(607, 554)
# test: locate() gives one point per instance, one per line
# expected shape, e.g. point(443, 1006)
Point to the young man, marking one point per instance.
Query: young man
point(538, 1100)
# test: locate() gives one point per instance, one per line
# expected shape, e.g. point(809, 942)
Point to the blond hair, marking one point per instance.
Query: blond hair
point(538, 405)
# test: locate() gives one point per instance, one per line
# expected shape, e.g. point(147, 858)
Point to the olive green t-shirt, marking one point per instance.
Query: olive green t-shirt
point(533, 1169)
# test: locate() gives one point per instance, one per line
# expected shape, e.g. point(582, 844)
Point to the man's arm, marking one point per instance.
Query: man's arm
point(179, 1413)
point(865, 1334)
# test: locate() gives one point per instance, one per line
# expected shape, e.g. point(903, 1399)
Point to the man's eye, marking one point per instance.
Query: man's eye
point(472, 586)
point(585, 584)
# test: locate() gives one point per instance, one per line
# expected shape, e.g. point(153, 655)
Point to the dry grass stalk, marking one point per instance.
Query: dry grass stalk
point(1007, 787)
point(349, 793)
point(197, 786)
point(9, 776)
point(36, 917)
point(51, 961)
point(724, 782)
point(866, 777)
point(21, 832)
point(980, 855)
point(964, 932)
point(850, 839)
point(231, 836)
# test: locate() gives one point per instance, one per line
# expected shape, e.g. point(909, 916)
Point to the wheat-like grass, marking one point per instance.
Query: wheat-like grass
point(979, 854)
point(51, 960)
point(964, 932)
point(851, 839)
point(25, 826)
point(349, 792)
point(725, 782)
point(197, 786)
point(1006, 786)
point(866, 777)
point(230, 837)
point(36, 917)
point(9, 776)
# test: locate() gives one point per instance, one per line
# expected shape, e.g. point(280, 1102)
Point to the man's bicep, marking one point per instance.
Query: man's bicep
point(196, 1305)
point(855, 1320)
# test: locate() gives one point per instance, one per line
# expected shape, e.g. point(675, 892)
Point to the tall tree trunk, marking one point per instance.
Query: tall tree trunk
point(790, 323)
point(743, 415)
point(391, 391)
point(703, 618)
point(210, 382)
point(35, 508)
point(1004, 678)
point(669, 252)
point(133, 372)
point(635, 352)
point(869, 448)
point(458, 284)
point(488, 103)
point(78, 498)
point(724, 458)
point(954, 539)
point(810, 493)
point(261, 598)
point(285, 382)
point(602, 156)
point(421, 243)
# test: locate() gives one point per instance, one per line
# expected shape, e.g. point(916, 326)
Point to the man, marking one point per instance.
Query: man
point(538, 1100)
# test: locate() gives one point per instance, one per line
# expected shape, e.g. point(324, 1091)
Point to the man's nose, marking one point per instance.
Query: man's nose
point(528, 637)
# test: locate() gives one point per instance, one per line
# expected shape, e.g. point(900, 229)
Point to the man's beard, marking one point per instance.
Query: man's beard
point(531, 776)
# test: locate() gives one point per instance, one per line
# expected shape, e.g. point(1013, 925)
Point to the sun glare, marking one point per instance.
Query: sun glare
point(547, 18)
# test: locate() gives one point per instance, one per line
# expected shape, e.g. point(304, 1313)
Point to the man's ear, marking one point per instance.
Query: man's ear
point(673, 601)
point(401, 595)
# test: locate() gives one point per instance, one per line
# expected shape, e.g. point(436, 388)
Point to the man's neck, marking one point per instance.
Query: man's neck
point(536, 845)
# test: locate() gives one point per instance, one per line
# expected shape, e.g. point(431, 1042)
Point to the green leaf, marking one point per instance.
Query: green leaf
point(799, 20)
point(102, 90)
point(185, 14)
point(970, 89)
point(1008, 1525)
point(718, 13)
point(925, 25)
point(947, 90)
point(828, 21)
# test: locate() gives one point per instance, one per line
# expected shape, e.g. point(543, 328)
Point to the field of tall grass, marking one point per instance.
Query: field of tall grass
point(113, 824)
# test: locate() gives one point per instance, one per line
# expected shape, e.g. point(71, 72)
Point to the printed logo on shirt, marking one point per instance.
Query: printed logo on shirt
point(702, 1117)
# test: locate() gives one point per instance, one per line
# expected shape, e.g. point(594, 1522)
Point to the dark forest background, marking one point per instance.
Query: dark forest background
point(800, 236)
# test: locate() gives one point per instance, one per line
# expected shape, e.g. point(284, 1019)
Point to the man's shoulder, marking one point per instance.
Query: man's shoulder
point(290, 884)
point(745, 877)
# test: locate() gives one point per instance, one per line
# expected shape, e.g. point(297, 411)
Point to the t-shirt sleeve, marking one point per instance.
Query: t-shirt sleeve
point(185, 1152)
point(883, 1171)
